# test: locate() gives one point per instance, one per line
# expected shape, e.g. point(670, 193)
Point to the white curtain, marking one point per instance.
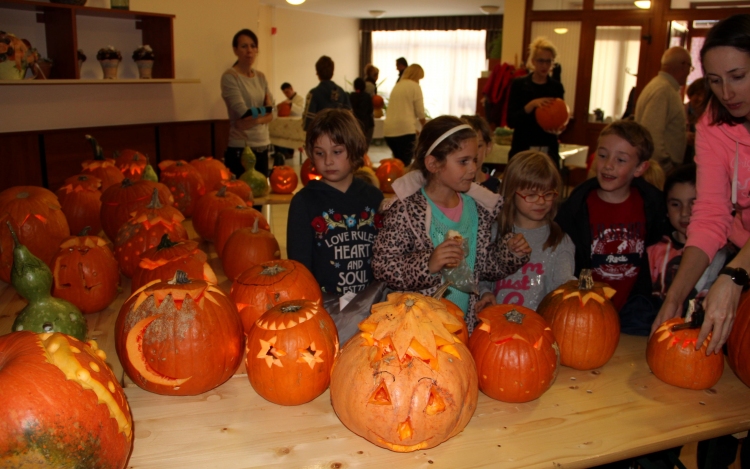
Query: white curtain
point(616, 52)
point(452, 63)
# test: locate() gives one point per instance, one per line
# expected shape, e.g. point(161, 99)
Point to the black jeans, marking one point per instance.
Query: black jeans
point(233, 160)
point(402, 147)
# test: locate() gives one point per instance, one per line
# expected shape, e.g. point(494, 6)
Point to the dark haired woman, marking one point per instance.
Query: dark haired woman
point(722, 208)
point(244, 88)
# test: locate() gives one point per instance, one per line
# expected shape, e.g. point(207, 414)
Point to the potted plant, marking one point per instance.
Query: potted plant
point(109, 58)
point(16, 56)
point(144, 58)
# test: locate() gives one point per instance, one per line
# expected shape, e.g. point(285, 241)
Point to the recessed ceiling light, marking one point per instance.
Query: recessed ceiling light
point(561, 30)
point(642, 4)
point(377, 13)
point(489, 9)
point(295, 2)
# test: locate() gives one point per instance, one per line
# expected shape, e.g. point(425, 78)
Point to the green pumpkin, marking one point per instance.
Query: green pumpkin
point(149, 174)
point(32, 279)
point(255, 179)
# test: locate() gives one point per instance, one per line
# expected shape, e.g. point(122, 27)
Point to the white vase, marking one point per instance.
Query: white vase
point(109, 67)
point(144, 68)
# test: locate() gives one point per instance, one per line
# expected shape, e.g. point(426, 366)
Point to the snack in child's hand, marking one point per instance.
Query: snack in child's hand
point(453, 234)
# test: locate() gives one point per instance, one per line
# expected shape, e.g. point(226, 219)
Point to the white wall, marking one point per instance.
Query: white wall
point(203, 32)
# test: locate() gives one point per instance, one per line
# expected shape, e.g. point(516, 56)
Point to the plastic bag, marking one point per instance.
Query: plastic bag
point(461, 276)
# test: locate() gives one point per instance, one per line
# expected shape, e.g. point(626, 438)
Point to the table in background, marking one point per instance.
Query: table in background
point(287, 132)
point(572, 155)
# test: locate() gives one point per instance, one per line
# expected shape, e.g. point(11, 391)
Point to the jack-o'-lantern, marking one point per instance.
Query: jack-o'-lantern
point(179, 337)
point(268, 284)
point(207, 211)
point(405, 383)
point(211, 170)
point(237, 187)
point(672, 357)
point(463, 333)
point(583, 321)
point(145, 230)
point(103, 168)
point(85, 273)
point(63, 406)
point(389, 170)
point(290, 352)
point(553, 115)
point(283, 180)
point(738, 344)
point(232, 219)
point(36, 216)
point(80, 201)
point(185, 183)
point(162, 261)
point(515, 352)
point(247, 247)
point(308, 172)
point(132, 163)
point(121, 200)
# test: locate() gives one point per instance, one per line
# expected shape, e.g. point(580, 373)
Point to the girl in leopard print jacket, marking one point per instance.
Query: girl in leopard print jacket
point(410, 249)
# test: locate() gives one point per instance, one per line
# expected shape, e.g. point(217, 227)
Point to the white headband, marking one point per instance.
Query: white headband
point(447, 134)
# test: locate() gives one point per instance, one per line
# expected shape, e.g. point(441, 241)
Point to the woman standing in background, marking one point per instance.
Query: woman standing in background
point(405, 107)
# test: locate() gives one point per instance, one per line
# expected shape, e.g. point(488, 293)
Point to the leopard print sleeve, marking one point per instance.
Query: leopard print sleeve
point(495, 259)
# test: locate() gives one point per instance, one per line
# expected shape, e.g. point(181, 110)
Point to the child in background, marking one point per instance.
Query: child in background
point(331, 224)
point(411, 248)
point(484, 147)
point(613, 219)
point(664, 256)
point(531, 186)
point(362, 109)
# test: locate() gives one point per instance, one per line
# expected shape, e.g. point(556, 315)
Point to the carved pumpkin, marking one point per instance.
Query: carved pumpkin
point(131, 163)
point(180, 337)
point(161, 262)
point(583, 321)
point(405, 383)
point(121, 200)
point(308, 172)
point(86, 273)
point(290, 352)
point(389, 170)
point(283, 180)
point(211, 170)
point(237, 187)
point(284, 109)
point(80, 201)
point(232, 219)
point(552, 116)
point(672, 357)
point(36, 216)
point(515, 352)
point(185, 183)
point(63, 406)
point(144, 230)
point(207, 211)
point(738, 344)
point(247, 247)
point(268, 284)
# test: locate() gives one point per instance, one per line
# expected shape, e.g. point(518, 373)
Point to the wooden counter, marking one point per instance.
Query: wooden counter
point(588, 417)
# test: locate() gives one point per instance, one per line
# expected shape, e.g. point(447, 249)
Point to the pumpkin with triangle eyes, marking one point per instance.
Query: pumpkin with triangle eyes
point(405, 383)
point(290, 352)
point(283, 180)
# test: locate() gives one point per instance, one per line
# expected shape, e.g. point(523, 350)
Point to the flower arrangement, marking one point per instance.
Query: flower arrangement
point(144, 52)
point(108, 53)
point(16, 55)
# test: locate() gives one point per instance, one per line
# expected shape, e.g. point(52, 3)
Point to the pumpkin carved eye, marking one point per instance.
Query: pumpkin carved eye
point(310, 355)
point(381, 396)
point(435, 403)
point(269, 353)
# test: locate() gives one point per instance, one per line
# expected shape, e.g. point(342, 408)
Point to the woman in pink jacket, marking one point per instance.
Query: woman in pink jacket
point(722, 208)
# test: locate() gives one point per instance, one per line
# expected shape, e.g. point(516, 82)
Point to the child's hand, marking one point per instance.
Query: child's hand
point(518, 245)
point(488, 299)
point(448, 254)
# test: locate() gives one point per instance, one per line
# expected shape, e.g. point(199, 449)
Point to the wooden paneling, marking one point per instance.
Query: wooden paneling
point(157, 32)
point(221, 137)
point(62, 43)
point(19, 154)
point(185, 140)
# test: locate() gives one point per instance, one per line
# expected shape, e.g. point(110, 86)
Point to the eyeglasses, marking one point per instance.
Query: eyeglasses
point(534, 198)
point(544, 61)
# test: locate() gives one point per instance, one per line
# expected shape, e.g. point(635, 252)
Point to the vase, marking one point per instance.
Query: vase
point(109, 67)
point(42, 70)
point(144, 68)
point(120, 4)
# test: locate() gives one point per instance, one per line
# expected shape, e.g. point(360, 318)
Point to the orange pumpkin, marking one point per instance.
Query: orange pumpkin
point(185, 183)
point(121, 200)
point(145, 230)
point(162, 261)
point(180, 337)
point(284, 109)
point(268, 284)
point(308, 172)
point(583, 321)
point(211, 170)
point(80, 201)
point(207, 211)
point(672, 357)
point(290, 352)
point(552, 116)
point(463, 333)
point(377, 102)
point(36, 216)
point(405, 383)
point(232, 219)
point(131, 163)
point(247, 247)
point(237, 187)
point(85, 272)
point(283, 180)
point(105, 170)
point(738, 344)
point(62, 404)
point(389, 170)
point(515, 352)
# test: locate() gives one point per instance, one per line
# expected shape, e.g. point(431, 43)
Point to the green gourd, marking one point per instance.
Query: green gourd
point(255, 179)
point(149, 174)
point(32, 280)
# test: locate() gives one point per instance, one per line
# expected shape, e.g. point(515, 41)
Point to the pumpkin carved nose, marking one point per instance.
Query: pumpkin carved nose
point(404, 430)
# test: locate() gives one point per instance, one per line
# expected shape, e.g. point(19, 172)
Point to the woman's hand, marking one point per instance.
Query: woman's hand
point(535, 103)
point(249, 122)
point(448, 254)
point(488, 299)
point(518, 245)
point(720, 306)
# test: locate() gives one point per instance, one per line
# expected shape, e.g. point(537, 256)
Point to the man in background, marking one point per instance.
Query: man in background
point(401, 65)
point(296, 101)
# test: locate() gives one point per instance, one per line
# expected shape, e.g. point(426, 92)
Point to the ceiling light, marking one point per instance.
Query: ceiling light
point(561, 30)
point(377, 13)
point(642, 4)
point(489, 9)
point(295, 2)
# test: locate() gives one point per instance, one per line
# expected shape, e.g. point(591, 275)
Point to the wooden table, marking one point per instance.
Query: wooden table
point(588, 417)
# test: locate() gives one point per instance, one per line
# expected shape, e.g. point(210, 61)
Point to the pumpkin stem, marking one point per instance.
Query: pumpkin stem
point(13, 234)
point(441, 291)
point(155, 202)
point(127, 182)
point(272, 270)
point(165, 243)
point(222, 192)
point(585, 280)
point(514, 316)
point(291, 308)
point(180, 278)
point(85, 231)
point(98, 152)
